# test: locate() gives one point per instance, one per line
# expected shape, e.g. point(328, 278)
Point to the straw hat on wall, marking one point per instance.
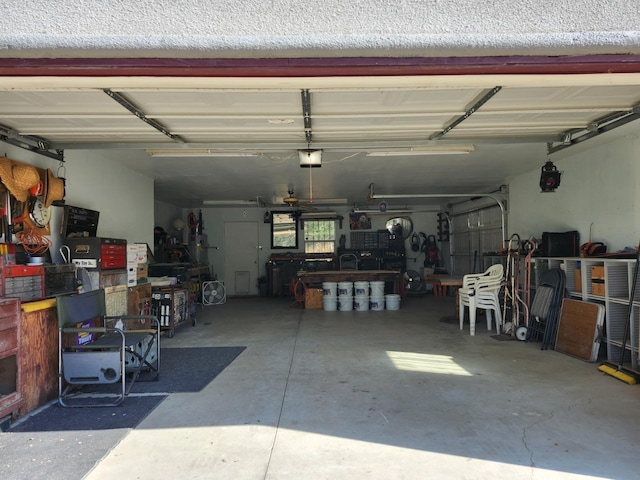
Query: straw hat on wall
point(18, 177)
point(54, 189)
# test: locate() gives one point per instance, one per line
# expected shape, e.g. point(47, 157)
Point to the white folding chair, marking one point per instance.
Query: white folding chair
point(481, 291)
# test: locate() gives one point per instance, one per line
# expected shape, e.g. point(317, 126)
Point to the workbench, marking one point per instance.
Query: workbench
point(441, 282)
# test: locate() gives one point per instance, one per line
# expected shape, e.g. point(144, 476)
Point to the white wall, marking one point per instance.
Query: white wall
point(123, 197)
point(165, 215)
point(600, 186)
point(215, 218)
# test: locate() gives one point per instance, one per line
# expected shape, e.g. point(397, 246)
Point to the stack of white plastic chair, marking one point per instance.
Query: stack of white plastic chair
point(482, 291)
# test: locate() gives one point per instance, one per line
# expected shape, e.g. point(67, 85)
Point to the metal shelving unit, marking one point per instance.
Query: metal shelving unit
point(173, 305)
point(618, 279)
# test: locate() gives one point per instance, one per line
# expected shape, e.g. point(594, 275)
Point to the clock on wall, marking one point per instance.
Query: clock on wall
point(38, 213)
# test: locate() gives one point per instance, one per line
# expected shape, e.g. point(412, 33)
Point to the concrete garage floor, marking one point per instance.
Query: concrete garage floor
point(381, 395)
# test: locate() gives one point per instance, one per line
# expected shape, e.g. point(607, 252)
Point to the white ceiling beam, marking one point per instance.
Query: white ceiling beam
point(268, 116)
point(316, 84)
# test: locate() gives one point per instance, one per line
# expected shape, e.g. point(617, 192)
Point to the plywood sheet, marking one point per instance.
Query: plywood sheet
point(578, 329)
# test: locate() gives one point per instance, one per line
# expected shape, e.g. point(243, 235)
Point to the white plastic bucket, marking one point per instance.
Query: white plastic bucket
point(393, 301)
point(376, 303)
point(361, 289)
point(361, 303)
point(377, 289)
point(345, 303)
point(345, 288)
point(330, 289)
point(330, 304)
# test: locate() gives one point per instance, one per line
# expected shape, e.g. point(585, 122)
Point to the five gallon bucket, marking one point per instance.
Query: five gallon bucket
point(377, 289)
point(361, 289)
point(330, 289)
point(345, 303)
point(376, 303)
point(393, 301)
point(368, 296)
point(361, 303)
point(330, 303)
point(345, 288)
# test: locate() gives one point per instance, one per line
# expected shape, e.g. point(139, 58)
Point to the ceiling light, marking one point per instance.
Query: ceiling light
point(281, 121)
point(377, 212)
point(326, 201)
point(313, 215)
point(440, 150)
point(310, 158)
point(203, 152)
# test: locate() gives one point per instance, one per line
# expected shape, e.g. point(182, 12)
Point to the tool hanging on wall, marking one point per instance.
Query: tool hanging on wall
point(415, 242)
point(432, 253)
point(193, 223)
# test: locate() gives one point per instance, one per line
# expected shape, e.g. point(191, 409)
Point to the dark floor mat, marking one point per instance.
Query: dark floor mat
point(38, 447)
point(189, 369)
point(182, 370)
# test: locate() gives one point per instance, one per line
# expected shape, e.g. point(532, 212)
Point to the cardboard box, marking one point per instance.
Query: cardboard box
point(136, 273)
point(597, 272)
point(142, 271)
point(597, 287)
point(313, 299)
point(136, 253)
point(597, 280)
point(139, 301)
point(578, 279)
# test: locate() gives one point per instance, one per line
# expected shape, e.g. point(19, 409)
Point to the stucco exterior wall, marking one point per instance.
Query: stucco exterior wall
point(302, 28)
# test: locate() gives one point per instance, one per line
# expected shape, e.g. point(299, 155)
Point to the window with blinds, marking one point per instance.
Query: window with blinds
point(319, 236)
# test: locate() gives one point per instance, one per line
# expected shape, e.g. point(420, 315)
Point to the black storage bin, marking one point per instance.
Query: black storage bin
point(178, 270)
point(565, 244)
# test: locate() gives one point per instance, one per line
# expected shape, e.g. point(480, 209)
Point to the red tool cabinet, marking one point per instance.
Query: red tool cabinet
point(97, 253)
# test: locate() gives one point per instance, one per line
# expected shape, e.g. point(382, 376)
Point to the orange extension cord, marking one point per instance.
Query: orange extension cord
point(33, 242)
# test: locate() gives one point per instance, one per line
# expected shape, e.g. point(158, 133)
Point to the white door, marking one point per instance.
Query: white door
point(241, 252)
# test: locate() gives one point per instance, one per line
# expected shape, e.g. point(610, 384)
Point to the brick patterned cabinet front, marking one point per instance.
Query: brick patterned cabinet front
point(10, 376)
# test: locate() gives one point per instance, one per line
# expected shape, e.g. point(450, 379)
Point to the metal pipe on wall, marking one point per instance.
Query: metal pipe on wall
point(447, 195)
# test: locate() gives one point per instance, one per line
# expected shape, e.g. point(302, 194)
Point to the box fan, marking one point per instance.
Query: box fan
point(213, 293)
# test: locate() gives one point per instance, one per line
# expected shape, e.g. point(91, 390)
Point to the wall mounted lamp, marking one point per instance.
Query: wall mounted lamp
point(549, 177)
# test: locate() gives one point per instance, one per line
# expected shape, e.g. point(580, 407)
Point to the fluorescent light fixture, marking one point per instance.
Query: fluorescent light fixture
point(327, 201)
point(231, 203)
point(202, 152)
point(377, 212)
point(310, 158)
point(312, 215)
point(440, 150)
